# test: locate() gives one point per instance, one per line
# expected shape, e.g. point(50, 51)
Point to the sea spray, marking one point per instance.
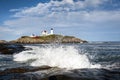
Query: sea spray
point(62, 56)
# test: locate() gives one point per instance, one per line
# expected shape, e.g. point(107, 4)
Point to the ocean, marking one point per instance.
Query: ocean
point(72, 61)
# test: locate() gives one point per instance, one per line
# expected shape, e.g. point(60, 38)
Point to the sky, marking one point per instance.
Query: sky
point(91, 20)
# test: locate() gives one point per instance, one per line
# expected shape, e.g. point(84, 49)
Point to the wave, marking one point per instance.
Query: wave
point(62, 56)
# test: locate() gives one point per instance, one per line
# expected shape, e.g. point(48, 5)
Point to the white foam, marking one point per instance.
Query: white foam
point(54, 56)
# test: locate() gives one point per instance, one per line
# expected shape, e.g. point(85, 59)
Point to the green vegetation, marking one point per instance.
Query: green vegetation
point(51, 37)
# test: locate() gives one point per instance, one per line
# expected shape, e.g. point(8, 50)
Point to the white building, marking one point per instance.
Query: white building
point(45, 33)
point(32, 35)
point(51, 31)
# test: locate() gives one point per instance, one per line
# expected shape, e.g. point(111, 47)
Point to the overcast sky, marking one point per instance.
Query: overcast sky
point(91, 20)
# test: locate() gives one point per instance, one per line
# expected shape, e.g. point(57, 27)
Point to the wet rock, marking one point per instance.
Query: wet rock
point(18, 73)
point(14, 76)
point(23, 70)
point(78, 74)
point(10, 48)
point(60, 77)
point(87, 74)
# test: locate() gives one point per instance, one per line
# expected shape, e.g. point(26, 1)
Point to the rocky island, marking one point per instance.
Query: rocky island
point(45, 38)
point(54, 38)
point(14, 46)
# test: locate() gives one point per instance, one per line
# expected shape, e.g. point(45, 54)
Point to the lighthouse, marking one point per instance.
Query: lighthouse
point(51, 32)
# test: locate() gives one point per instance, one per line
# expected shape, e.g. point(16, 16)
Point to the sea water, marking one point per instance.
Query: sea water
point(66, 57)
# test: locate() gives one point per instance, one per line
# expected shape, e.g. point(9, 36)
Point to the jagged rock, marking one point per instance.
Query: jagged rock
point(18, 73)
point(48, 39)
point(61, 77)
point(29, 73)
point(23, 70)
point(71, 39)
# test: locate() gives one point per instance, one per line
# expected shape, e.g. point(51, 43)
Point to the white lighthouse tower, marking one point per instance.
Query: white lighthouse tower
point(51, 32)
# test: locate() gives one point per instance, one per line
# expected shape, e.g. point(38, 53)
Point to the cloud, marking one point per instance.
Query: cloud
point(8, 30)
point(84, 16)
point(84, 24)
point(94, 2)
point(62, 14)
point(66, 13)
point(69, 1)
point(43, 9)
point(68, 19)
point(5, 29)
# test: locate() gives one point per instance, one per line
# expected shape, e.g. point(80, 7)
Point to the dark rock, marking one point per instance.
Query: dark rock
point(23, 70)
point(18, 73)
point(10, 48)
point(65, 77)
point(78, 74)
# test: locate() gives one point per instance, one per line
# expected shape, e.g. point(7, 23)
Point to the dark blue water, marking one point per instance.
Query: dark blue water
point(104, 53)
